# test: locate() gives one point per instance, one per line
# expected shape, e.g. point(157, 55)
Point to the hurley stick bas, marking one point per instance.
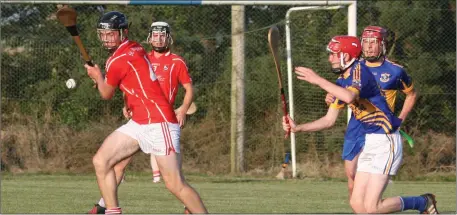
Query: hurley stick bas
point(273, 42)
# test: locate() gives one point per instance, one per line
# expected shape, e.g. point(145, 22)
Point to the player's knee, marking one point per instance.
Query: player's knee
point(371, 209)
point(357, 205)
point(174, 185)
point(98, 162)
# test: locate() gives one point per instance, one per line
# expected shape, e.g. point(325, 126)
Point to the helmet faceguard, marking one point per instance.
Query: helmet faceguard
point(344, 45)
point(377, 35)
point(160, 36)
point(108, 25)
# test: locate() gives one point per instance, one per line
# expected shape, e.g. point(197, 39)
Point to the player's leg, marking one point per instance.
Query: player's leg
point(362, 175)
point(374, 164)
point(386, 160)
point(116, 147)
point(367, 194)
point(358, 193)
point(373, 201)
point(155, 169)
point(175, 182)
point(119, 169)
point(164, 140)
point(350, 167)
point(352, 149)
point(375, 204)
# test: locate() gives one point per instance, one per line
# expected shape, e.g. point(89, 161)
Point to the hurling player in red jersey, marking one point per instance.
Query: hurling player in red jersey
point(153, 127)
point(171, 71)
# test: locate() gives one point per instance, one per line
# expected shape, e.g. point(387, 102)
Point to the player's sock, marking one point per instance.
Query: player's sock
point(102, 202)
point(413, 203)
point(156, 176)
point(117, 210)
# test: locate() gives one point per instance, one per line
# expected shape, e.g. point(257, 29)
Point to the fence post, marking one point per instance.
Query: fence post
point(237, 90)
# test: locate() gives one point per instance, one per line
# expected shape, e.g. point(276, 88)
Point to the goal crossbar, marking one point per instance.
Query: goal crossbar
point(181, 2)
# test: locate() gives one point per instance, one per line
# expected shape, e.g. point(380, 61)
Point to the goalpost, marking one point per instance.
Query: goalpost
point(352, 30)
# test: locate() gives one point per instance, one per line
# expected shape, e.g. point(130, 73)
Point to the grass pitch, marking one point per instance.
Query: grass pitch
point(51, 194)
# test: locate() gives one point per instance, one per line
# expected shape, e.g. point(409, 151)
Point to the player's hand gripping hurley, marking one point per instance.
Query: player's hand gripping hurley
point(273, 42)
point(67, 16)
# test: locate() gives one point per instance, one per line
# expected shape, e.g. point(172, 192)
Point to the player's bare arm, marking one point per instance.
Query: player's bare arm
point(329, 99)
point(408, 105)
point(324, 122)
point(106, 90)
point(310, 76)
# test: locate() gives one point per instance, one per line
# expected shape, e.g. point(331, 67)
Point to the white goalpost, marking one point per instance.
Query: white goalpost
point(352, 30)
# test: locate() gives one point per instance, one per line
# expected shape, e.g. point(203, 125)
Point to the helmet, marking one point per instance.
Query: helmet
point(379, 34)
point(113, 21)
point(345, 45)
point(160, 27)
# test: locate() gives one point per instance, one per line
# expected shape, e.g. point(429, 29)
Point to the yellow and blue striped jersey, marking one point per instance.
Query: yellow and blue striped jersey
point(391, 78)
point(370, 108)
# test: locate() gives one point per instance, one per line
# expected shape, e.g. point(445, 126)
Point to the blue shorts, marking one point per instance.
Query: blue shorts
point(352, 148)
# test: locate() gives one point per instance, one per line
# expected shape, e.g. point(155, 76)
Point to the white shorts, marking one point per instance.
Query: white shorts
point(156, 138)
point(382, 154)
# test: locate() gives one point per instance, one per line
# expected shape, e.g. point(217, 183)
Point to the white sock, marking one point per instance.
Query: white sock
point(102, 202)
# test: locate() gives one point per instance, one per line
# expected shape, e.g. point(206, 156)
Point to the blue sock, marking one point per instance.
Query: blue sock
point(414, 203)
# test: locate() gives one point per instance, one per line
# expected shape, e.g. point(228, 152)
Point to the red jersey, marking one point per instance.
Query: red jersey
point(171, 70)
point(130, 69)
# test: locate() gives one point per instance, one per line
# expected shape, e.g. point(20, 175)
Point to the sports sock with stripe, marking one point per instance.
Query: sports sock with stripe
point(156, 175)
point(413, 203)
point(117, 210)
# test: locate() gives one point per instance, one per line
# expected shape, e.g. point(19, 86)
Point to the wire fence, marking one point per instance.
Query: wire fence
point(51, 128)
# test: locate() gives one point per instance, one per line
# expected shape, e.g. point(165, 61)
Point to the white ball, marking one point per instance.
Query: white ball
point(71, 83)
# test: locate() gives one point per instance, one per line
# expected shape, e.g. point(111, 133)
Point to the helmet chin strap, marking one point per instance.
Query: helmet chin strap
point(160, 49)
point(343, 65)
point(122, 36)
point(165, 48)
point(337, 71)
point(373, 59)
point(111, 49)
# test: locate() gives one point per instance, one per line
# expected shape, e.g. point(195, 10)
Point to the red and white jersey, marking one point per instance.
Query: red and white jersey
point(171, 70)
point(130, 69)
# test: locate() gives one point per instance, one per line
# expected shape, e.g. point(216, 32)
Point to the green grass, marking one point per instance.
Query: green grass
point(28, 193)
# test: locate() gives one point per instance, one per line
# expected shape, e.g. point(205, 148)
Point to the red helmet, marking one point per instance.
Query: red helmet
point(374, 32)
point(345, 44)
point(378, 33)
